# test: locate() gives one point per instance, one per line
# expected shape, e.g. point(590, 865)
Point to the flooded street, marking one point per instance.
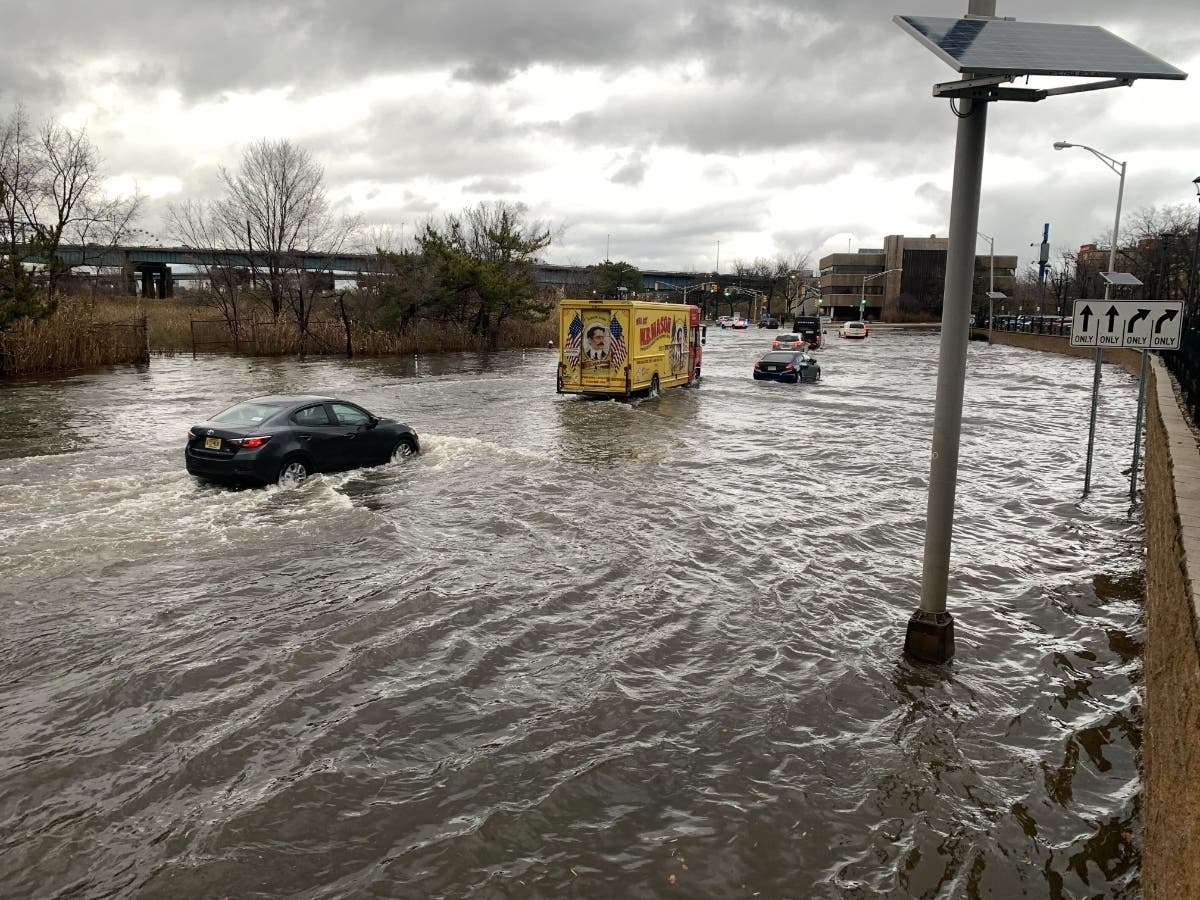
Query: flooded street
point(576, 648)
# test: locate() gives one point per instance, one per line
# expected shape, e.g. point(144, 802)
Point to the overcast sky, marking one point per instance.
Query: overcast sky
point(653, 131)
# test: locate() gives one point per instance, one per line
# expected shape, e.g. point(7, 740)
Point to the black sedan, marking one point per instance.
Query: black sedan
point(787, 365)
point(283, 439)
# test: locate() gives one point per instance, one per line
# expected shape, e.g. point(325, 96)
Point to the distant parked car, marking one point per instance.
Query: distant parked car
point(787, 365)
point(855, 330)
point(787, 342)
point(283, 439)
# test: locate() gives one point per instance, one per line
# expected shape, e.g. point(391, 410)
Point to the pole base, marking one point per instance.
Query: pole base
point(930, 637)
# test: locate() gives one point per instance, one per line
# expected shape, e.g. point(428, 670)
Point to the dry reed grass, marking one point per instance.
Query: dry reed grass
point(75, 337)
point(86, 332)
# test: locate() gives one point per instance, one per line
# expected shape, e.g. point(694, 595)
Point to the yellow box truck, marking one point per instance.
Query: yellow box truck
point(619, 348)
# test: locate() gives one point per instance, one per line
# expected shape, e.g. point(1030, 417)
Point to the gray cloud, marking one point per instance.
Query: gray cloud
point(492, 186)
point(814, 89)
point(631, 171)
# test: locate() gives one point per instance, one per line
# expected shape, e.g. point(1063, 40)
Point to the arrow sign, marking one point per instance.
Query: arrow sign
point(1087, 314)
point(1135, 318)
point(1131, 324)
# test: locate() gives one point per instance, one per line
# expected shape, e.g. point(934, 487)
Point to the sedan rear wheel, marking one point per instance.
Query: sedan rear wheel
point(403, 450)
point(293, 473)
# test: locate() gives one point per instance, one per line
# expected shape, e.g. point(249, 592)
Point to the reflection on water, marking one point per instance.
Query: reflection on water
point(577, 647)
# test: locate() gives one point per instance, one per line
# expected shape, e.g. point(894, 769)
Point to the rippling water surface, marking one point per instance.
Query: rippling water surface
point(576, 648)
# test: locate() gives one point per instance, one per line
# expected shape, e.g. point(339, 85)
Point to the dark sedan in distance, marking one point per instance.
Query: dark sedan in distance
point(787, 365)
point(281, 440)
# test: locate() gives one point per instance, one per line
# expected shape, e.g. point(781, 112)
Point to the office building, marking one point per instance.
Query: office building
point(903, 281)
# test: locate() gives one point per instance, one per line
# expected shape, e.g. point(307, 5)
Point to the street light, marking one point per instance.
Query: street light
point(862, 293)
point(1119, 168)
point(993, 296)
point(991, 275)
point(991, 260)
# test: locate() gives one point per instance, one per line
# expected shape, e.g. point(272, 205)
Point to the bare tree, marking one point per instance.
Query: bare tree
point(51, 180)
point(274, 215)
point(277, 199)
point(302, 287)
point(193, 225)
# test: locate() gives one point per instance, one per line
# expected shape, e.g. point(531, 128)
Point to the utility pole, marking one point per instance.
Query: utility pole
point(1043, 264)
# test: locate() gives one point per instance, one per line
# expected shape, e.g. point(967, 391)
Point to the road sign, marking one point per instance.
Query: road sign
point(1132, 324)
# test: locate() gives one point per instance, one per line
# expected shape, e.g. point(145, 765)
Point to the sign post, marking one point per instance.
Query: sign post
point(1141, 325)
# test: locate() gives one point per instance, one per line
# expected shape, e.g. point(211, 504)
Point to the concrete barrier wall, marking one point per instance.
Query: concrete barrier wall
point(1170, 751)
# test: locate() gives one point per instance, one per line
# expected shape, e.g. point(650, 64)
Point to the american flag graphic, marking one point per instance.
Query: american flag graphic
point(574, 340)
point(616, 344)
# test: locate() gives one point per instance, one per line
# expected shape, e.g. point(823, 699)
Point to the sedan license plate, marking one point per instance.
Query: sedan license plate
point(212, 443)
point(772, 368)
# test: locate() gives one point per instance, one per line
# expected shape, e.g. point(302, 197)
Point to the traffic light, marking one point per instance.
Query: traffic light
point(712, 287)
point(726, 292)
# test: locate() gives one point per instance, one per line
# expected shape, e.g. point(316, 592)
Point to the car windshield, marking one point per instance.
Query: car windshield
point(779, 357)
point(854, 325)
point(787, 338)
point(248, 413)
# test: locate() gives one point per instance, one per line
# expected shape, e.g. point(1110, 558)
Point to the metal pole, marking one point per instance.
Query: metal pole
point(1137, 428)
point(1112, 262)
point(991, 264)
point(930, 635)
point(1191, 297)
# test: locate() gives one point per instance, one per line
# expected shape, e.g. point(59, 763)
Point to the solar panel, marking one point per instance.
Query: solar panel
point(1003, 47)
point(1120, 278)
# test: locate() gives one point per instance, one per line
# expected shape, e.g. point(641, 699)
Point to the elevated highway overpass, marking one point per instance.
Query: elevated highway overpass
point(150, 271)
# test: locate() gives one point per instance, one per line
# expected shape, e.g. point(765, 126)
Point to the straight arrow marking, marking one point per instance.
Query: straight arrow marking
point(1087, 314)
point(1112, 318)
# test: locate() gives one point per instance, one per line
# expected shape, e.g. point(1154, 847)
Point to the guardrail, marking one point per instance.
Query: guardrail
point(1032, 324)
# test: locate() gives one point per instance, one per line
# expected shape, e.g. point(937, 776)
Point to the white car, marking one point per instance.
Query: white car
point(855, 330)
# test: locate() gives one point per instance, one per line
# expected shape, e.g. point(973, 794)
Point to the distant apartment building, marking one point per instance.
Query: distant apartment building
point(904, 280)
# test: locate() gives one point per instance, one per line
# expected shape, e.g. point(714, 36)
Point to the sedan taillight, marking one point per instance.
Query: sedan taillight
point(250, 443)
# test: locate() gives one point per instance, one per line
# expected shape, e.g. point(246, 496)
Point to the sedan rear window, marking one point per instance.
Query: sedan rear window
point(249, 413)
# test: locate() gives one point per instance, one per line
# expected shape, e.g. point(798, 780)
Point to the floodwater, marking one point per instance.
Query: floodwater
point(576, 648)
